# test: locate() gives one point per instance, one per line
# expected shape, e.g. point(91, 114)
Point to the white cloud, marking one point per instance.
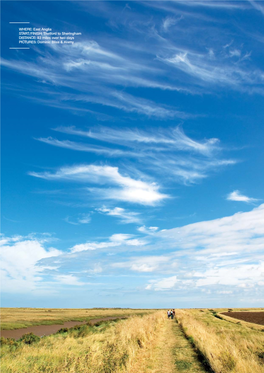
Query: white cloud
point(20, 271)
point(69, 280)
point(124, 215)
point(84, 219)
point(163, 284)
point(114, 241)
point(144, 263)
point(142, 268)
point(249, 274)
point(169, 151)
point(148, 230)
point(81, 219)
point(241, 232)
point(79, 147)
point(92, 246)
point(170, 21)
point(94, 70)
point(237, 196)
point(143, 143)
point(120, 237)
point(95, 270)
point(128, 189)
point(222, 70)
point(172, 138)
point(143, 106)
point(217, 254)
point(235, 53)
point(128, 103)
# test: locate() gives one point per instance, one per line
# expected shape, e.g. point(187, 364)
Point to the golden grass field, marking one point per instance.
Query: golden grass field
point(228, 344)
point(110, 348)
point(195, 342)
point(15, 318)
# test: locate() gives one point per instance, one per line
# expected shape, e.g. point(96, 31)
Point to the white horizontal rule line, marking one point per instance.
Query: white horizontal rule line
point(19, 22)
point(18, 48)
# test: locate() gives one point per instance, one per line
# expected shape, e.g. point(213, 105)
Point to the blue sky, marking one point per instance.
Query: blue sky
point(132, 160)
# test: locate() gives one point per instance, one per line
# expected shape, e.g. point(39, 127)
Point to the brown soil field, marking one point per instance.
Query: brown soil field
point(41, 330)
point(253, 317)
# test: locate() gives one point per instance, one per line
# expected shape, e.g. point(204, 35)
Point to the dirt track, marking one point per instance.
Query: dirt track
point(42, 330)
point(253, 317)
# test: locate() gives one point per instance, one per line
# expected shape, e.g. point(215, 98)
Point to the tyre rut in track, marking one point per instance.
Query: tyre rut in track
point(173, 353)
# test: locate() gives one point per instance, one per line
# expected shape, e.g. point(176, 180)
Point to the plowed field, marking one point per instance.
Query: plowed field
point(253, 317)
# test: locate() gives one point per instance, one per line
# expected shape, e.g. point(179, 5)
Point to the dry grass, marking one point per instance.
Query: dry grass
point(15, 318)
point(228, 347)
point(114, 350)
point(170, 353)
point(143, 344)
point(158, 355)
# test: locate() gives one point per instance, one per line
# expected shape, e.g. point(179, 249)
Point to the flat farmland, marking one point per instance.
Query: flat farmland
point(195, 341)
point(17, 318)
point(252, 317)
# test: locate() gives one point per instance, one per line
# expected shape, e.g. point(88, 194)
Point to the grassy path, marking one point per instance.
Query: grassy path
point(172, 353)
point(185, 357)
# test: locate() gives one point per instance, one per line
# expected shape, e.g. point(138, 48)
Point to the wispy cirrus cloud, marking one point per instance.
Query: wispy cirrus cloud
point(104, 71)
point(93, 73)
point(129, 103)
point(158, 151)
point(122, 188)
point(212, 4)
point(173, 138)
point(169, 150)
point(237, 196)
point(72, 145)
point(169, 22)
point(96, 75)
point(215, 67)
point(257, 5)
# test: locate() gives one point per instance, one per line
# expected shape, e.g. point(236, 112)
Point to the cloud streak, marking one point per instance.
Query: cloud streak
point(208, 70)
point(91, 72)
point(125, 188)
point(116, 240)
point(170, 150)
point(173, 138)
point(122, 214)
